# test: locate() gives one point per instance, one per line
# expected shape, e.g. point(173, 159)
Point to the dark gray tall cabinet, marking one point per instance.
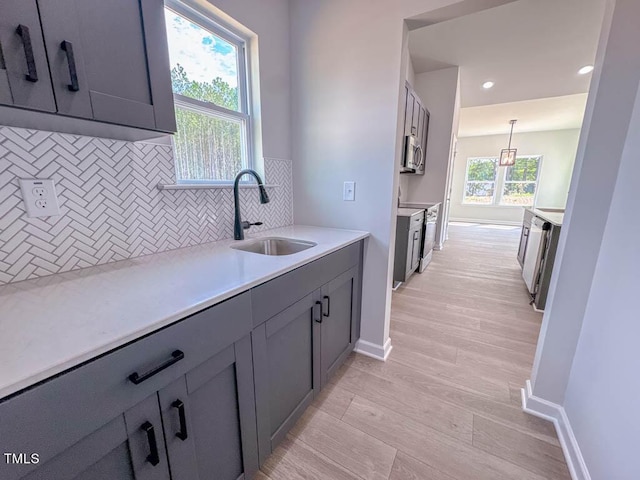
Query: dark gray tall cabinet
point(86, 60)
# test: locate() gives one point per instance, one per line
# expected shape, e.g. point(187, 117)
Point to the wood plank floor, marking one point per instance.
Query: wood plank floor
point(446, 405)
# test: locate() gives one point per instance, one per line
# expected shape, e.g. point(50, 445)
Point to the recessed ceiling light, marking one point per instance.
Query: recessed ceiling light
point(487, 85)
point(586, 69)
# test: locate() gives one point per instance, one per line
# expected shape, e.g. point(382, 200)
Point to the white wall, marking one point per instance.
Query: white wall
point(269, 20)
point(601, 400)
point(348, 68)
point(588, 358)
point(558, 149)
point(439, 90)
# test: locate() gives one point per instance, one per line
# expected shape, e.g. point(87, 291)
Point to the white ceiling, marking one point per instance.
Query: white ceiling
point(529, 48)
point(556, 113)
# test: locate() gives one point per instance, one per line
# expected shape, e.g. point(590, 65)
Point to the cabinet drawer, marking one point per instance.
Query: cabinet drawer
point(52, 416)
point(275, 295)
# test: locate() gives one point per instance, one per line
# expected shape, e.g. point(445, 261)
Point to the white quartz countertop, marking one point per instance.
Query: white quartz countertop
point(417, 205)
point(555, 218)
point(51, 324)
point(407, 212)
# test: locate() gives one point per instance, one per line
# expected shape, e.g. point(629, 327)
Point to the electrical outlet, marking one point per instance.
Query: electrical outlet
point(39, 197)
point(349, 192)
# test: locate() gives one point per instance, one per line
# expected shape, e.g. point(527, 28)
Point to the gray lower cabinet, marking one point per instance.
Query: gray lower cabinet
point(298, 349)
point(408, 250)
point(120, 412)
point(208, 397)
point(209, 418)
point(287, 377)
point(116, 450)
point(340, 309)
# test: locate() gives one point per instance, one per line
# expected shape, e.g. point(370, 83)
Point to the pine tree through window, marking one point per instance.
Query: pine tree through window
point(209, 80)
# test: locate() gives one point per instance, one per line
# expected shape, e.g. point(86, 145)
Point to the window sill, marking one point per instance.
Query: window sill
point(208, 186)
point(494, 205)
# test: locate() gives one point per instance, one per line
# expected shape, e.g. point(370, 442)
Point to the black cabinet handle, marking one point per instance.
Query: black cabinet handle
point(74, 86)
point(154, 457)
point(176, 356)
point(328, 299)
point(317, 312)
point(32, 73)
point(182, 434)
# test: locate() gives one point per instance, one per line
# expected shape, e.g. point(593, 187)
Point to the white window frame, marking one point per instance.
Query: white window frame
point(504, 182)
point(466, 181)
point(500, 181)
point(209, 22)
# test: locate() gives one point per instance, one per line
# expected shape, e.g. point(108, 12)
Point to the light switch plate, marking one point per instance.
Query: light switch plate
point(349, 192)
point(39, 197)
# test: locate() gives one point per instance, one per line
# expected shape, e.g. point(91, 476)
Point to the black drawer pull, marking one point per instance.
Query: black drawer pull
point(317, 312)
point(176, 356)
point(32, 73)
point(182, 434)
point(328, 299)
point(154, 457)
point(74, 86)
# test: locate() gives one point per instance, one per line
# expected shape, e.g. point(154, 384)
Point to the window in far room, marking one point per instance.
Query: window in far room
point(210, 84)
point(488, 184)
point(521, 182)
point(480, 182)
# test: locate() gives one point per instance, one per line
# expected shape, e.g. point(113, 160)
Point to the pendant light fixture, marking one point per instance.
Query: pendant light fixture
point(508, 155)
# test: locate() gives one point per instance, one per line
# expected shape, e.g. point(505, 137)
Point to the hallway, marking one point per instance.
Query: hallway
point(446, 405)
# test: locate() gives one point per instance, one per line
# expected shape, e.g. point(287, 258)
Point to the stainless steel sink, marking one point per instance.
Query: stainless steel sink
point(274, 246)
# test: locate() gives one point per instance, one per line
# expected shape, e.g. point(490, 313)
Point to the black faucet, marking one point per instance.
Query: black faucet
point(239, 226)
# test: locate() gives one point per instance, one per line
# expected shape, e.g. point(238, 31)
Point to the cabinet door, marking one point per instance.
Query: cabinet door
point(121, 58)
point(24, 73)
point(121, 450)
point(408, 110)
point(338, 328)
point(286, 375)
point(65, 50)
point(415, 119)
point(411, 101)
point(209, 418)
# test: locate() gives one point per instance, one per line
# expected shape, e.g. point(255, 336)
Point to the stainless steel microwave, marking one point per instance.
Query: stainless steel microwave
point(413, 155)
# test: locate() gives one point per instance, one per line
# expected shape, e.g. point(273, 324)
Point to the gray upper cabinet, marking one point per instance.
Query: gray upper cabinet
point(24, 73)
point(107, 62)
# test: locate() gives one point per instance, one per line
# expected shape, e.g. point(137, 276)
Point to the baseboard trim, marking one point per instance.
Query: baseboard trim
point(485, 222)
point(555, 413)
point(373, 350)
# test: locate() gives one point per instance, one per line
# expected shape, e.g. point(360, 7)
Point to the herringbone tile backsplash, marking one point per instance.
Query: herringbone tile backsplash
point(110, 207)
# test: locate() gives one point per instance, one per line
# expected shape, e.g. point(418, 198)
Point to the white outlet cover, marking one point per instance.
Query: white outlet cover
point(39, 197)
point(349, 192)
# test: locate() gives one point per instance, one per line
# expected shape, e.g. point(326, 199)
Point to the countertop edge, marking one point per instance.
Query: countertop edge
point(18, 387)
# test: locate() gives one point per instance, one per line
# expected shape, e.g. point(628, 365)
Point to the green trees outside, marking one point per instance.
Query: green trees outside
point(519, 182)
point(481, 180)
point(207, 147)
